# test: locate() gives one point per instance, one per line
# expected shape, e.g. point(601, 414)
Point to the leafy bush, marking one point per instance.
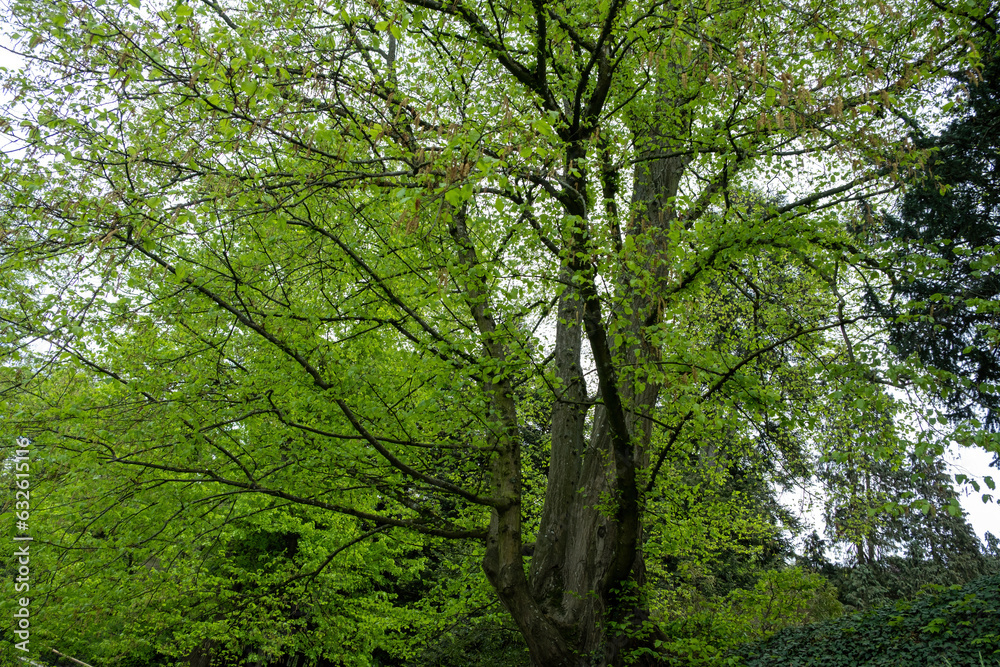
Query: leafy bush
point(704, 630)
point(945, 625)
point(480, 642)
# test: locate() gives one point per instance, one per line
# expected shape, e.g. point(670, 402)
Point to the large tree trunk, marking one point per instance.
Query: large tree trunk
point(584, 585)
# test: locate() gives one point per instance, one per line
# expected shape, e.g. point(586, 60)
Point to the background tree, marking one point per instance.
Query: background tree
point(945, 231)
point(892, 555)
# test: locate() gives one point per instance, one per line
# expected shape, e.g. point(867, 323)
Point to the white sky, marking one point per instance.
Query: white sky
point(975, 463)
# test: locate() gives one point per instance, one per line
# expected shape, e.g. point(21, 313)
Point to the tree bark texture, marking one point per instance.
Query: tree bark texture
point(583, 602)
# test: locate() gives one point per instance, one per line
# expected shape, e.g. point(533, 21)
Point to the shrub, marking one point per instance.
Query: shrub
point(945, 625)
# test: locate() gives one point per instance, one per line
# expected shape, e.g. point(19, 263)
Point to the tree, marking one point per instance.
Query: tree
point(946, 229)
point(310, 254)
point(896, 554)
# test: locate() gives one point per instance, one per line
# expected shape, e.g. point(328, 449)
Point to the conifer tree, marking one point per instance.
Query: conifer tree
point(947, 230)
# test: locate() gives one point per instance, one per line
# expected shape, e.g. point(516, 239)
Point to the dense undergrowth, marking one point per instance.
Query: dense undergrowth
point(944, 625)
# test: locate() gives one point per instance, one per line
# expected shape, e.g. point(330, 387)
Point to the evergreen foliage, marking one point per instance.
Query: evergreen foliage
point(947, 227)
point(946, 625)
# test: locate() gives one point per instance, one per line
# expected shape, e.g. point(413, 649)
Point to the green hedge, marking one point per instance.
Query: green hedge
point(956, 626)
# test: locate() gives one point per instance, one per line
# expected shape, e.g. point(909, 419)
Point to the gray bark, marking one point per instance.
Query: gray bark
point(588, 547)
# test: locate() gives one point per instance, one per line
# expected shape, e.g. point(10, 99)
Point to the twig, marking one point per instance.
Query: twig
point(63, 655)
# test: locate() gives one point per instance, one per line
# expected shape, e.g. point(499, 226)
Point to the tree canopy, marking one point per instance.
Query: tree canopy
point(949, 223)
point(306, 297)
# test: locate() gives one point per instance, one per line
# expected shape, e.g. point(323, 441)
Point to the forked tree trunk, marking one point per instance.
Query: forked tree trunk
point(582, 604)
